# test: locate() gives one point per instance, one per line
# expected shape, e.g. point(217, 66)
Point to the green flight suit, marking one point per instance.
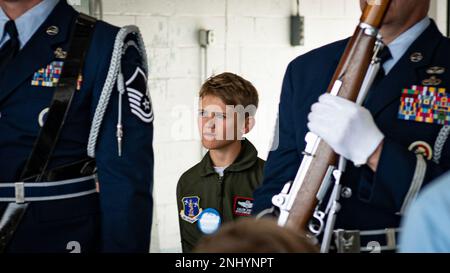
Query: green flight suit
point(201, 187)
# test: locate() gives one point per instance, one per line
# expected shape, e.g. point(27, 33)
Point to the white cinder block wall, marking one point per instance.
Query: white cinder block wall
point(252, 39)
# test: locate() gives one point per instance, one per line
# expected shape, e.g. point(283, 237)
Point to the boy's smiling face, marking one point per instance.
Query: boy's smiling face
point(219, 125)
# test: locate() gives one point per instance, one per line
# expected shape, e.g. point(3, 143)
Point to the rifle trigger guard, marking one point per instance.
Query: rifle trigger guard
point(317, 222)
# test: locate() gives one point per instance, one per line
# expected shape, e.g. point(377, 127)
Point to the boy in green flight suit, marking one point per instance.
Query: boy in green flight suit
point(220, 188)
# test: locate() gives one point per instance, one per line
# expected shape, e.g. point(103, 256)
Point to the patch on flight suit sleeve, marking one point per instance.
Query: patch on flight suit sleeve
point(425, 104)
point(242, 206)
point(140, 103)
point(191, 209)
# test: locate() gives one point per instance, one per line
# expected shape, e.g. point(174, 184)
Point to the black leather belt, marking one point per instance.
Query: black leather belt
point(73, 170)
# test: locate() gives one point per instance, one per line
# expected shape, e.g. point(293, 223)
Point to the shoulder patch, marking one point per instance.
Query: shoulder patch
point(139, 101)
point(191, 209)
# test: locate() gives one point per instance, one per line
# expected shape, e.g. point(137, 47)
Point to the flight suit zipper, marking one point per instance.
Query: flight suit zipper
point(221, 183)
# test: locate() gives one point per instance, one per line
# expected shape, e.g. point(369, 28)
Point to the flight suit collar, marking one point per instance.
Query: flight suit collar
point(40, 50)
point(407, 71)
point(245, 160)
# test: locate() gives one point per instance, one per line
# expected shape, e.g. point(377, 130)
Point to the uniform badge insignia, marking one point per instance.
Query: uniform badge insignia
point(425, 104)
point(139, 101)
point(191, 209)
point(60, 53)
point(242, 206)
point(48, 76)
point(43, 116)
point(416, 57)
point(436, 70)
point(209, 221)
point(432, 81)
point(52, 30)
point(423, 148)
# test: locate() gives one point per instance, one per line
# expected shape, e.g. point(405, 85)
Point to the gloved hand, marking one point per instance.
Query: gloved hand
point(347, 127)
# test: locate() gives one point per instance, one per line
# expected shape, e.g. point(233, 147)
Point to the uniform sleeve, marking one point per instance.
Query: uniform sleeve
point(179, 203)
point(126, 181)
point(425, 225)
point(184, 244)
point(179, 193)
point(399, 177)
point(283, 162)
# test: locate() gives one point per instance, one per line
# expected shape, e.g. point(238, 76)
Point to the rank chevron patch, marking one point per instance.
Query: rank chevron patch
point(140, 103)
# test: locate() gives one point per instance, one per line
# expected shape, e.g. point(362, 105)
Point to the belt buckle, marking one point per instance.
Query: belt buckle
point(347, 241)
point(20, 192)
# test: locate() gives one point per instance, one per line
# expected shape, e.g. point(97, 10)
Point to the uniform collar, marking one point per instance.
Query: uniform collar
point(400, 45)
point(246, 159)
point(27, 61)
point(3, 20)
point(29, 22)
point(407, 72)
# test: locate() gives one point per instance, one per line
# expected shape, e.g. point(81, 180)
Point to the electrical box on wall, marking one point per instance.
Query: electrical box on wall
point(297, 30)
point(207, 37)
point(297, 27)
point(80, 5)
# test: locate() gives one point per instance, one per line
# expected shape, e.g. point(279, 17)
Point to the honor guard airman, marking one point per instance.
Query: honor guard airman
point(76, 122)
point(397, 140)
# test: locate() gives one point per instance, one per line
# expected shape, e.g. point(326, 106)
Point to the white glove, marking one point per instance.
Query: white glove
point(347, 127)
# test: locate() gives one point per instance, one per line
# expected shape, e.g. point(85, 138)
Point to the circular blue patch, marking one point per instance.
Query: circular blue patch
point(209, 221)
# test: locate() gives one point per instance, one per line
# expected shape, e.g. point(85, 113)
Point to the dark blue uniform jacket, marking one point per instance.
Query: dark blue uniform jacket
point(118, 219)
point(377, 198)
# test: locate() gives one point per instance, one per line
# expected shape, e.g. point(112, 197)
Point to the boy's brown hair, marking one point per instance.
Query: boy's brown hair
point(250, 235)
point(231, 89)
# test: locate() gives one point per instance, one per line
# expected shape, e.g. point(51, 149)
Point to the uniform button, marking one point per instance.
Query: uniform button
point(346, 192)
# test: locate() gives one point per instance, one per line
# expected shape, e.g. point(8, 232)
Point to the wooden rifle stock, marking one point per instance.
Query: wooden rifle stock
point(351, 72)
